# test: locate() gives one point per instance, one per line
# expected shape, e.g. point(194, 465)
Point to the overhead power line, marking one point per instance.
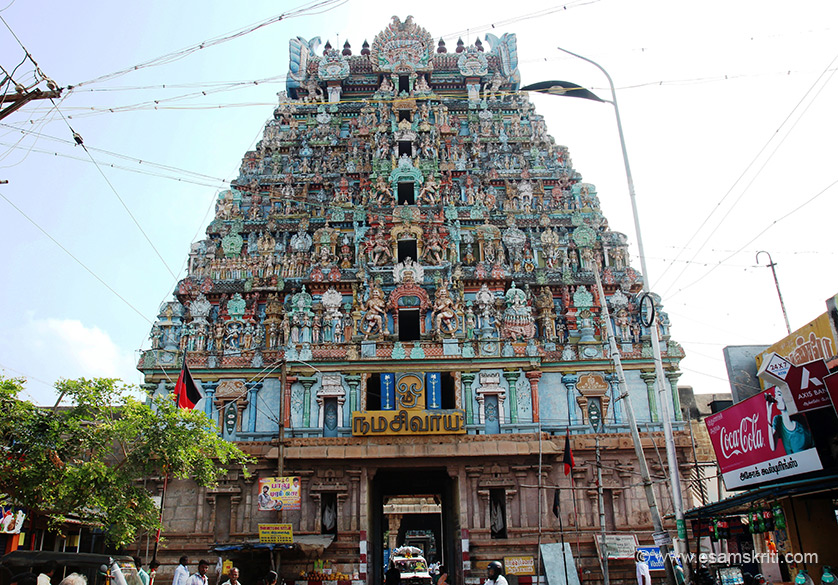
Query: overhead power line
point(749, 242)
point(191, 174)
point(316, 7)
point(79, 262)
point(745, 171)
point(77, 137)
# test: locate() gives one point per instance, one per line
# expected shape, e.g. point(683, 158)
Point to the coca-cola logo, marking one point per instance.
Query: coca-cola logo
point(748, 437)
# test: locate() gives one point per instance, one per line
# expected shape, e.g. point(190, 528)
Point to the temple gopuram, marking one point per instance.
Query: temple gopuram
point(395, 303)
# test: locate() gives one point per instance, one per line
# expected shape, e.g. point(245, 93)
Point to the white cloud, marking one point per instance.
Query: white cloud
point(90, 348)
point(45, 350)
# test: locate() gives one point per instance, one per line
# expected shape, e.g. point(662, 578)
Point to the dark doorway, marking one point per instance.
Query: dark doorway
point(407, 249)
point(406, 196)
point(448, 398)
point(404, 83)
point(436, 533)
point(408, 324)
point(405, 148)
point(404, 115)
point(328, 513)
point(497, 512)
point(374, 392)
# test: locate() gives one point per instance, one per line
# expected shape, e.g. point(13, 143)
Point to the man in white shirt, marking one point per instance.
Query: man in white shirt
point(182, 571)
point(200, 578)
point(46, 575)
point(234, 577)
point(642, 571)
point(495, 570)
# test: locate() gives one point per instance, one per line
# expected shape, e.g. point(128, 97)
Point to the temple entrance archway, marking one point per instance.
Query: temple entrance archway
point(414, 506)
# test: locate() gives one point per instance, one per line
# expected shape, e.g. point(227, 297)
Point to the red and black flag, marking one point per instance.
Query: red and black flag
point(186, 392)
point(568, 453)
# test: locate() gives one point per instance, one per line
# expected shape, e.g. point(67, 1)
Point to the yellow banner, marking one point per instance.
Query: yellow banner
point(519, 565)
point(408, 422)
point(276, 534)
point(813, 341)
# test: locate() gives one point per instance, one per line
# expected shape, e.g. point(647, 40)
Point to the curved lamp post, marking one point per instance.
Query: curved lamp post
point(564, 88)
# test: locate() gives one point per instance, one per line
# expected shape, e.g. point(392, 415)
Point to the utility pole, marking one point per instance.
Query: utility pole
point(603, 548)
point(643, 466)
point(771, 264)
point(18, 100)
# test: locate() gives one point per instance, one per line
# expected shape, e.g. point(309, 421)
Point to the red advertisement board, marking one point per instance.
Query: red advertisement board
point(757, 440)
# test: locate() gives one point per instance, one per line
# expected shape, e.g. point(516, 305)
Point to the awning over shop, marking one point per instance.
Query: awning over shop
point(307, 543)
point(740, 503)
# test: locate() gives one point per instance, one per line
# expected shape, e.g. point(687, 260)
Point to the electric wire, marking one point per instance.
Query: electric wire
point(216, 182)
point(110, 165)
point(749, 242)
point(309, 8)
point(748, 167)
point(514, 19)
point(79, 262)
point(104, 176)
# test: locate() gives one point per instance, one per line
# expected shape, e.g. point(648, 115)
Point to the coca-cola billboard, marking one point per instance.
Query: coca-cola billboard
point(757, 440)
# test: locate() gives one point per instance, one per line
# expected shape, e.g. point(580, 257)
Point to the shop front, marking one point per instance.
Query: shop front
point(778, 447)
point(775, 531)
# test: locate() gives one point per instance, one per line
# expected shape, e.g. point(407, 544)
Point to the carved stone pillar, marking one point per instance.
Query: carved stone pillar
point(343, 518)
point(512, 379)
point(672, 377)
point(534, 377)
point(467, 378)
point(521, 477)
point(486, 520)
point(286, 401)
point(354, 380)
point(394, 523)
point(211, 502)
point(649, 378)
point(209, 388)
point(472, 476)
point(308, 382)
point(354, 502)
point(569, 380)
point(247, 515)
point(507, 522)
point(253, 391)
point(235, 515)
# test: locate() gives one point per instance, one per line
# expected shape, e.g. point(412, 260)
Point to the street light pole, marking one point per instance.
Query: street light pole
point(664, 395)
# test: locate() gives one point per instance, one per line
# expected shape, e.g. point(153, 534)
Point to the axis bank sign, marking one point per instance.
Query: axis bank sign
point(757, 441)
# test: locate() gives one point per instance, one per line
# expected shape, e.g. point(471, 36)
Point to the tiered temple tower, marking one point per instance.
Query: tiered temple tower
point(396, 298)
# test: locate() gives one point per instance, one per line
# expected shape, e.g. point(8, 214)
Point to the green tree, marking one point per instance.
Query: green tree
point(88, 459)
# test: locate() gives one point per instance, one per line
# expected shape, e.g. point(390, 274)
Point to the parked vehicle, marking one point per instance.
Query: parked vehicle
point(99, 569)
point(411, 564)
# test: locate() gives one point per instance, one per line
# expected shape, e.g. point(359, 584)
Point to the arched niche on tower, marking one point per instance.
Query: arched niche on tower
point(405, 232)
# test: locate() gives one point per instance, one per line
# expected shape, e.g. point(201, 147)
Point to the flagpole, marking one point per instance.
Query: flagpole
point(160, 520)
point(561, 526)
point(540, 497)
point(575, 513)
point(603, 549)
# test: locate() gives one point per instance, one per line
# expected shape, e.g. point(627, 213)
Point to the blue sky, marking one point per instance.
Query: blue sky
point(702, 88)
